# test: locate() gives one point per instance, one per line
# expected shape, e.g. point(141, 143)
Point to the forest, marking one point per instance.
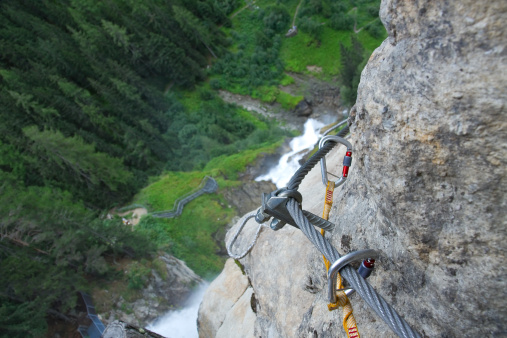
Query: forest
point(99, 97)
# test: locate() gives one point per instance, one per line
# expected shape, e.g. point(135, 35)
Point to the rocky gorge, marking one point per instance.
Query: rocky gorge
point(167, 286)
point(427, 190)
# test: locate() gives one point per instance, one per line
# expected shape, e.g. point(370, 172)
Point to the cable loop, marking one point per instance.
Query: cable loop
point(235, 237)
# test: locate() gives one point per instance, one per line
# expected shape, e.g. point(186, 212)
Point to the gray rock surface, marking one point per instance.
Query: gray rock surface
point(427, 187)
point(247, 196)
point(161, 294)
point(240, 320)
point(221, 296)
point(119, 329)
point(303, 108)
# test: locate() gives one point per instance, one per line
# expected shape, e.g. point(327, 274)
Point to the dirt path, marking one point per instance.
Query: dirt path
point(355, 21)
point(273, 111)
point(137, 213)
point(296, 14)
point(241, 9)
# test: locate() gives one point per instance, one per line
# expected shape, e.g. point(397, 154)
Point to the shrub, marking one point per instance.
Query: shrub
point(311, 27)
point(277, 18)
point(341, 21)
point(376, 29)
point(215, 84)
point(137, 276)
point(372, 11)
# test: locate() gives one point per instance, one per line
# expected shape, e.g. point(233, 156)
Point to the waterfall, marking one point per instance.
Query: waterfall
point(181, 323)
point(289, 163)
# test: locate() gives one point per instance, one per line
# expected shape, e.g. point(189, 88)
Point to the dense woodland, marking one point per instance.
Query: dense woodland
point(93, 102)
point(84, 122)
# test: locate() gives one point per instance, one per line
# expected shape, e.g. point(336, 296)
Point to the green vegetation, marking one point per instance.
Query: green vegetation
point(93, 81)
point(85, 120)
point(336, 22)
point(302, 51)
point(230, 166)
point(260, 53)
point(137, 275)
point(353, 63)
point(99, 96)
point(49, 244)
point(193, 236)
point(211, 128)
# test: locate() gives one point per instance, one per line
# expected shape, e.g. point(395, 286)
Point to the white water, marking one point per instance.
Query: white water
point(289, 163)
point(181, 323)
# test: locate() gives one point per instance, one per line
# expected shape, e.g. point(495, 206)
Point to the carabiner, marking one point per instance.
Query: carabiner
point(347, 160)
point(339, 264)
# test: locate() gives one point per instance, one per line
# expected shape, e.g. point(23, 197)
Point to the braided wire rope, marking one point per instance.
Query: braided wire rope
point(343, 132)
point(252, 214)
point(250, 247)
point(298, 176)
point(362, 287)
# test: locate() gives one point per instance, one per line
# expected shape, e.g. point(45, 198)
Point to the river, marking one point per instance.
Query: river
point(182, 323)
point(289, 162)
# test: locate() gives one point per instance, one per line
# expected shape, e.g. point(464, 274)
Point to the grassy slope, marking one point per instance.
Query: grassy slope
point(190, 237)
point(245, 27)
point(302, 50)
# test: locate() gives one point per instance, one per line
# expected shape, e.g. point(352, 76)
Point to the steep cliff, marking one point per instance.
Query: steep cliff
point(165, 288)
point(427, 189)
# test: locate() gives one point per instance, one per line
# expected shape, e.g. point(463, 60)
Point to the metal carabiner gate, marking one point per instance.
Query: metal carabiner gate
point(339, 264)
point(347, 160)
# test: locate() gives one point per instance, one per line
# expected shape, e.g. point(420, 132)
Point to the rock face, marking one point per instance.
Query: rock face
point(303, 108)
point(427, 186)
point(247, 196)
point(225, 305)
point(160, 295)
point(118, 329)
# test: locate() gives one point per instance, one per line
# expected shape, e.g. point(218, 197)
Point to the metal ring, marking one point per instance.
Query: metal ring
point(284, 192)
point(340, 263)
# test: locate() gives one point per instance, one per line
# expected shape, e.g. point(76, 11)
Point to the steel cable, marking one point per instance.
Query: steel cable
point(362, 287)
point(343, 132)
point(298, 176)
point(250, 247)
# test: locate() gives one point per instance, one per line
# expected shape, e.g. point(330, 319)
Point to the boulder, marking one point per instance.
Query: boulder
point(240, 320)
point(248, 195)
point(303, 108)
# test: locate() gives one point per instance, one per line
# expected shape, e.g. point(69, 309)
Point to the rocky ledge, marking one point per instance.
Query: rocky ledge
point(427, 189)
point(165, 290)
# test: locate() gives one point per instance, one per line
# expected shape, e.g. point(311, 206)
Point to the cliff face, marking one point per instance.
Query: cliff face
point(427, 189)
point(165, 289)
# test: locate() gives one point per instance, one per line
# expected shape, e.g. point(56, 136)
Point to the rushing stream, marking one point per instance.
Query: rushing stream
point(182, 323)
point(289, 163)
